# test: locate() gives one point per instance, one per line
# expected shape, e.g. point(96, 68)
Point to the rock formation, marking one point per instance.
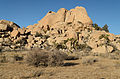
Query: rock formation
point(66, 29)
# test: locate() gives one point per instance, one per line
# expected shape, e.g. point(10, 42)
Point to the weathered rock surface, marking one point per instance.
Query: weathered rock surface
point(65, 29)
point(103, 49)
point(10, 25)
point(14, 33)
point(3, 27)
point(78, 14)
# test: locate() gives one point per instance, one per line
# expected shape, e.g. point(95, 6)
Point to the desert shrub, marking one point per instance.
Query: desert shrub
point(117, 52)
point(2, 59)
point(59, 46)
point(74, 43)
point(18, 58)
point(45, 36)
point(22, 42)
point(33, 74)
point(6, 59)
point(114, 48)
point(1, 49)
point(10, 57)
point(117, 64)
point(84, 53)
point(38, 57)
point(84, 47)
point(56, 58)
point(97, 27)
point(105, 28)
point(38, 34)
point(89, 60)
point(114, 56)
point(104, 55)
point(70, 57)
point(118, 41)
point(70, 39)
point(105, 37)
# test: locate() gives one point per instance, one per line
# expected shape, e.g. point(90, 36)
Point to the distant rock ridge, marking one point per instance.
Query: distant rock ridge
point(8, 25)
point(66, 30)
point(78, 17)
point(78, 14)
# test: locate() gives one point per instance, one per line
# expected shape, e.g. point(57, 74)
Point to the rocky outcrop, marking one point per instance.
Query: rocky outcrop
point(51, 18)
point(103, 49)
point(66, 29)
point(9, 34)
point(78, 18)
point(8, 25)
point(78, 14)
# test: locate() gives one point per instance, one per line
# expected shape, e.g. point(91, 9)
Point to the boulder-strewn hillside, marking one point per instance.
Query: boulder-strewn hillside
point(67, 39)
point(68, 30)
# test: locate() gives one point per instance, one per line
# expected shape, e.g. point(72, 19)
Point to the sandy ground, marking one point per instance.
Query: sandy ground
point(73, 69)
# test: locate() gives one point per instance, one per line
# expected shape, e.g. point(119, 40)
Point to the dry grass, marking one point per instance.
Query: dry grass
point(85, 68)
point(38, 57)
point(79, 65)
point(89, 60)
point(11, 57)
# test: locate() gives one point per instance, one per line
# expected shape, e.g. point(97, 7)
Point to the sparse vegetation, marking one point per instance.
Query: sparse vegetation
point(75, 45)
point(97, 27)
point(105, 37)
point(105, 28)
point(59, 46)
point(117, 64)
point(42, 36)
point(89, 51)
point(38, 34)
point(2, 59)
point(38, 57)
point(11, 57)
point(89, 60)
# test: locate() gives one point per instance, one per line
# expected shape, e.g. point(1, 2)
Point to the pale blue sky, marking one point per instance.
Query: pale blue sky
point(28, 12)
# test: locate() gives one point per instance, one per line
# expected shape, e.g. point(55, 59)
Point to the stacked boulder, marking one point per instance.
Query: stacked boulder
point(66, 29)
point(10, 35)
point(62, 26)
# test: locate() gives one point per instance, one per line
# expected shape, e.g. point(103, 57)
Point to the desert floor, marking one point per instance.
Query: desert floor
point(103, 68)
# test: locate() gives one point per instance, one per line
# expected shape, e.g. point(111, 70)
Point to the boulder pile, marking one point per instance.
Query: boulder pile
point(66, 29)
point(10, 33)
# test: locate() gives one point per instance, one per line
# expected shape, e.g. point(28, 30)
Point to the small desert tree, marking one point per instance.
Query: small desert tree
point(97, 27)
point(105, 28)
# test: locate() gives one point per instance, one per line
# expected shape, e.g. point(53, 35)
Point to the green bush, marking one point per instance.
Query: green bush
point(105, 37)
point(105, 28)
point(76, 45)
point(97, 27)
